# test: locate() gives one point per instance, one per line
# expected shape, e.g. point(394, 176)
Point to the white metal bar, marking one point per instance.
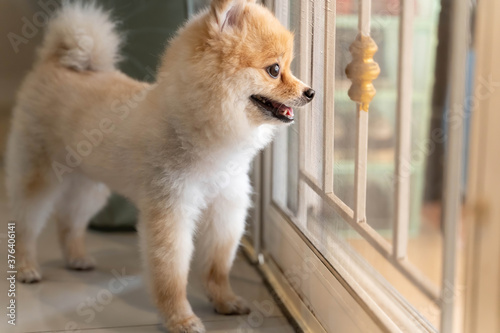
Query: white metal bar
point(403, 131)
point(329, 109)
point(305, 75)
point(316, 135)
point(280, 144)
point(266, 188)
point(454, 159)
point(360, 166)
point(258, 217)
point(365, 13)
point(280, 157)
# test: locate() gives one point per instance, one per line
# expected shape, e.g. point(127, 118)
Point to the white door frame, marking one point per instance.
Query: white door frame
point(482, 299)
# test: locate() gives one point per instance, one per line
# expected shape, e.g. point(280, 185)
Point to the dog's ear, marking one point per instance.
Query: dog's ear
point(228, 13)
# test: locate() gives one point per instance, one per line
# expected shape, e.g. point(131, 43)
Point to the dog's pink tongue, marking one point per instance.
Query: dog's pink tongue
point(284, 110)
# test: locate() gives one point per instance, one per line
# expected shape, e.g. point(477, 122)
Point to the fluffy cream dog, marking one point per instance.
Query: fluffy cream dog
point(180, 149)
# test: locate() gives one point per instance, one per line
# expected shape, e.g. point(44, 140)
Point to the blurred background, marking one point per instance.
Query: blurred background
point(147, 27)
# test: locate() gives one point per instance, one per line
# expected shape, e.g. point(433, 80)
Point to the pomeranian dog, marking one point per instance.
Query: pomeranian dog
point(179, 149)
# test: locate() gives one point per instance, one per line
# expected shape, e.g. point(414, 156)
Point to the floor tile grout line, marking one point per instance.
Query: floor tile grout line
point(96, 328)
point(227, 318)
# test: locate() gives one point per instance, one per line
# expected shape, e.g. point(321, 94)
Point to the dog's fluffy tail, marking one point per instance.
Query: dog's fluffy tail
point(83, 37)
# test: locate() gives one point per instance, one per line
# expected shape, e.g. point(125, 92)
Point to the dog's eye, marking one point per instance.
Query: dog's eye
point(274, 71)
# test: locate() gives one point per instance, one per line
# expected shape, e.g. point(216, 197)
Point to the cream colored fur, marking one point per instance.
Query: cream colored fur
point(180, 148)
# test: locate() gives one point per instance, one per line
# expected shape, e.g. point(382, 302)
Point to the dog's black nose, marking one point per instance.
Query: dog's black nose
point(309, 93)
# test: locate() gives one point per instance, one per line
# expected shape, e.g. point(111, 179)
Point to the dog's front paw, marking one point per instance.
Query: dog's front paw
point(190, 324)
point(28, 274)
point(232, 306)
point(81, 263)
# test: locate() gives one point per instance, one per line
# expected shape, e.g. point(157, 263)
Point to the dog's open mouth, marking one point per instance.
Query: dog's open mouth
point(273, 108)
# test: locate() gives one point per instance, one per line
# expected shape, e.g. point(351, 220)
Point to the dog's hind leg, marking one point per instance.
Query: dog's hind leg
point(32, 191)
point(81, 200)
point(30, 215)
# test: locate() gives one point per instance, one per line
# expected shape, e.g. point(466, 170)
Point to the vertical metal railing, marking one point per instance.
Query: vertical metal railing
point(305, 66)
point(305, 42)
point(403, 131)
point(361, 162)
point(358, 76)
point(329, 87)
point(280, 155)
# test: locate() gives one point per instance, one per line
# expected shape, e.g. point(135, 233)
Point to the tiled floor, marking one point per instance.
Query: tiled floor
point(113, 297)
